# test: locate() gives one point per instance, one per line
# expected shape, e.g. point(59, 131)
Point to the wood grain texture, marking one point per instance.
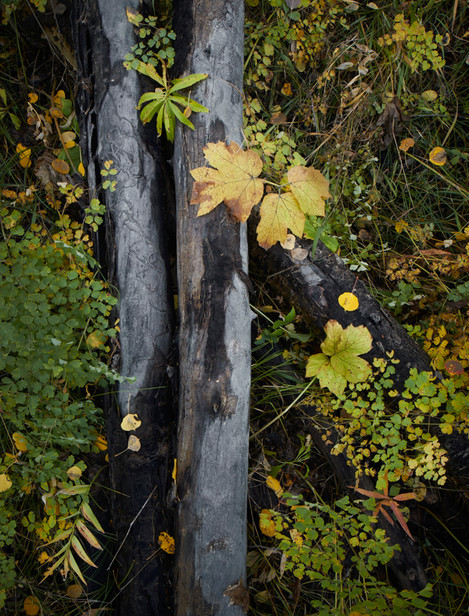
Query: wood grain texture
point(214, 335)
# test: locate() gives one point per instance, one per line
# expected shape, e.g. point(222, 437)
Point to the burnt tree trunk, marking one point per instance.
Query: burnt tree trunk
point(135, 261)
point(214, 334)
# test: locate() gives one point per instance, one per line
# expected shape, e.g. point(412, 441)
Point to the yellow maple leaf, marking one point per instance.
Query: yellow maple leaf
point(233, 180)
point(278, 213)
point(310, 188)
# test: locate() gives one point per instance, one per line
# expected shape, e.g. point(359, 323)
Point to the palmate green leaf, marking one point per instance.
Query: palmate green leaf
point(339, 361)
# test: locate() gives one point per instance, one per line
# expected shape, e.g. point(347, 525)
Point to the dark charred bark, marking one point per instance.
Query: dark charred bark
point(135, 260)
point(314, 284)
point(214, 336)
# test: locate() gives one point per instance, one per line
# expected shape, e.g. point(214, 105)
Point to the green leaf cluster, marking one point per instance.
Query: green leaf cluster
point(164, 102)
point(339, 548)
point(50, 302)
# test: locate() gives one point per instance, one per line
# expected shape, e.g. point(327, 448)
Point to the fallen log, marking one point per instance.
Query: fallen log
point(134, 258)
point(314, 284)
point(215, 332)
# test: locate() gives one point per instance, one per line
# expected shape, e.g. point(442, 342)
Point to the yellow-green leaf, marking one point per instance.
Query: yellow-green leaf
point(310, 188)
point(278, 213)
point(88, 535)
point(76, 545)
point(339, 361)
point(74, 472)
point(5, 482)
point(20, 441)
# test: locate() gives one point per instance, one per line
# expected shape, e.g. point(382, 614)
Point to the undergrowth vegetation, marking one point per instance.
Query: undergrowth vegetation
point(374, 95)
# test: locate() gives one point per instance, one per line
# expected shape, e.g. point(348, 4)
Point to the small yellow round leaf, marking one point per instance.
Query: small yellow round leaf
point(130, 422)
point(5, 483)
point(74, 472)
point(20, 441)
point(166, 543)
point(56, 113)
point(134, 443)
point(32, 97)
point(25, 154)
point(437, 156)
point(60, 166)
point(348, 301)
point(81, 169)
point(286, 89)
point(266, 524)
point(74, 591)
point(289, 243)
point(96, 339)
point(31, 606)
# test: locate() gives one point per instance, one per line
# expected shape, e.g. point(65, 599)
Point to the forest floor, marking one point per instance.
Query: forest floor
point(375, 96)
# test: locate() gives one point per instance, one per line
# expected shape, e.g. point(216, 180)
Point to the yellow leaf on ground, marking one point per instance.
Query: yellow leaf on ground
point(5, 482)
point(31, 606)
point(25, 154)
point(266, 524)
point(74, 472)
point(60, 166)
point(406, 144)
point(437, 156)
point(233, 180)
point(278, 213)
point(20, 441)
point(32, 97)
point(134, 443)
point(166, 543)
point(101, 442)
point(310, 188)
point(96, 339)
point(274, 484)
point(130, 422)
point(74, 591)
point(348, 301)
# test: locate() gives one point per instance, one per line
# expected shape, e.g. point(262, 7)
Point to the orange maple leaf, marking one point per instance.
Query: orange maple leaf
point(232, 180)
